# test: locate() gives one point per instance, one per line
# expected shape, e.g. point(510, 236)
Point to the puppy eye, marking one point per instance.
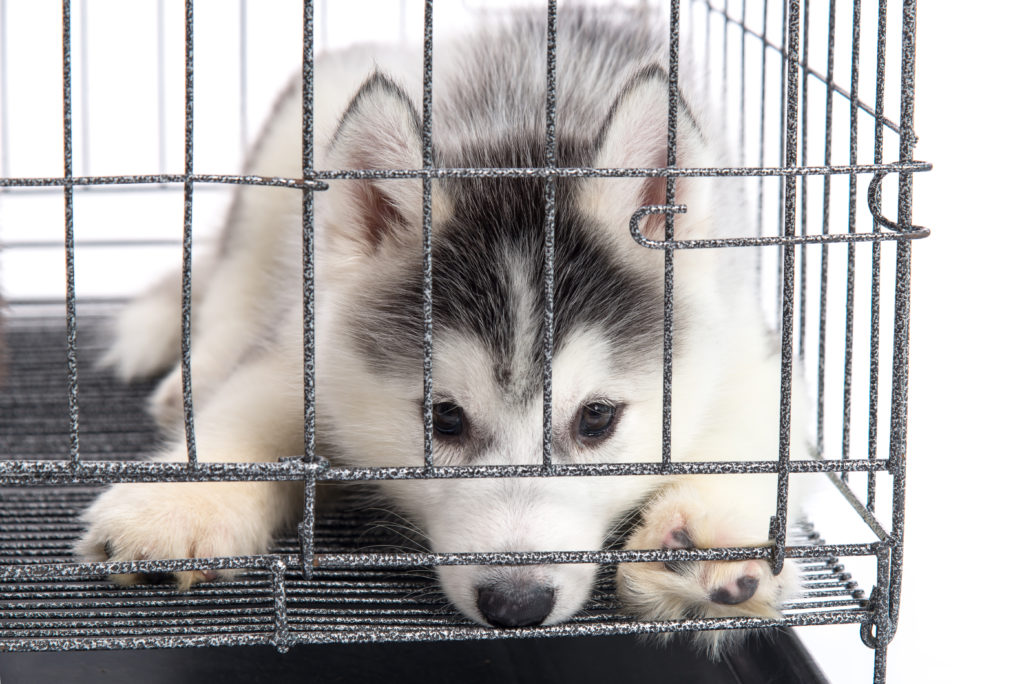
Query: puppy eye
point(680, 540)
point(448, 419)
point(596, 422)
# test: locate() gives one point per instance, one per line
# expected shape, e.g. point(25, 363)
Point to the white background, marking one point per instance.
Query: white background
point(961, 592)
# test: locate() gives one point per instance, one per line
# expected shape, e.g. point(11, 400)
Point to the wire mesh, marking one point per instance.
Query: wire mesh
point(67, 427)
point(366, 585)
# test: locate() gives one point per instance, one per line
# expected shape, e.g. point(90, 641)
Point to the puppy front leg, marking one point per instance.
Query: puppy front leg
point(255, 416)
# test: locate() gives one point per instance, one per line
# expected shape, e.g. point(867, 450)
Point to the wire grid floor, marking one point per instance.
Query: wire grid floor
point(38, 525)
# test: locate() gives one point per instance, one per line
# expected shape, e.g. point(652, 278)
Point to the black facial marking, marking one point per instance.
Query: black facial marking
point(497, 227)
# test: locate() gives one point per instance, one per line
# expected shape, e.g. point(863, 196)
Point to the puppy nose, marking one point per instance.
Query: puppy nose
point(738, 592)
point(517, 606)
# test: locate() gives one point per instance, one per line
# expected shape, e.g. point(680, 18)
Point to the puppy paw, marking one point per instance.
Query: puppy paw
point(685, 517)
point(151, 521)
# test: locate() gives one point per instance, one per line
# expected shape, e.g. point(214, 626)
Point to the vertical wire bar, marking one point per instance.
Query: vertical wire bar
point(186, 247)
point(826, 200)
point(901, 334)
point(880, 664)
point(83, 82)
point(759, 254)
point(281, 638)
point(876, 259)
point(306, 540)
point(788, 285)
point(802, 337)
point(69, 248)
point(670, 198)
point(243, 74)
point(161, 92)
point(851, 252)
point(428, 263)
point(881, 607)
point(5, 156)
point(549, 223)
point(308, 296)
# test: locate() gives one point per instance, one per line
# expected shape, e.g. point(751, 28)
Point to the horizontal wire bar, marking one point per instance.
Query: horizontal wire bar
point(420, 559)
point(367, 633)
point(316, 177)
point(16, 471)
point(162, 179)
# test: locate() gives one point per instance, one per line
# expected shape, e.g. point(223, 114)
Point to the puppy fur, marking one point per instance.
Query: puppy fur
point(488, 242)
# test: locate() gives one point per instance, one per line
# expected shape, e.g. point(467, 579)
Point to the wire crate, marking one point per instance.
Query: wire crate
point(790, 74)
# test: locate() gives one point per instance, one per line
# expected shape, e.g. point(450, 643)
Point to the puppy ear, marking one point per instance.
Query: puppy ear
point(380, 130)
point(635, 135)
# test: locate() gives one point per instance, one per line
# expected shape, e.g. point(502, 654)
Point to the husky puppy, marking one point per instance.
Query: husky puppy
point(488, 237)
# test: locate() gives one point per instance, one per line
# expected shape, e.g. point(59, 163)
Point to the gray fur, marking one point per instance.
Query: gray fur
point(490, 113)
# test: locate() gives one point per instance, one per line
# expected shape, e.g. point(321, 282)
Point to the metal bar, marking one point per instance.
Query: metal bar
point(670, 194)
point(805, 109)
point(69, 248)
point(359, 560)
point(308, 247)
point(879, 664)
point(95, 472)
point(186, 246)
point(851, 253)
point(901, 334)
point(550, 102)
point(363, 633)
point(876, 260)
point(282, 638)
point(316, 178)
point(428, 263)
point(163, 180)
point(305, 531)
point(781, 241)
point(786, 390)
point(826, 206)
point(785, 57)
